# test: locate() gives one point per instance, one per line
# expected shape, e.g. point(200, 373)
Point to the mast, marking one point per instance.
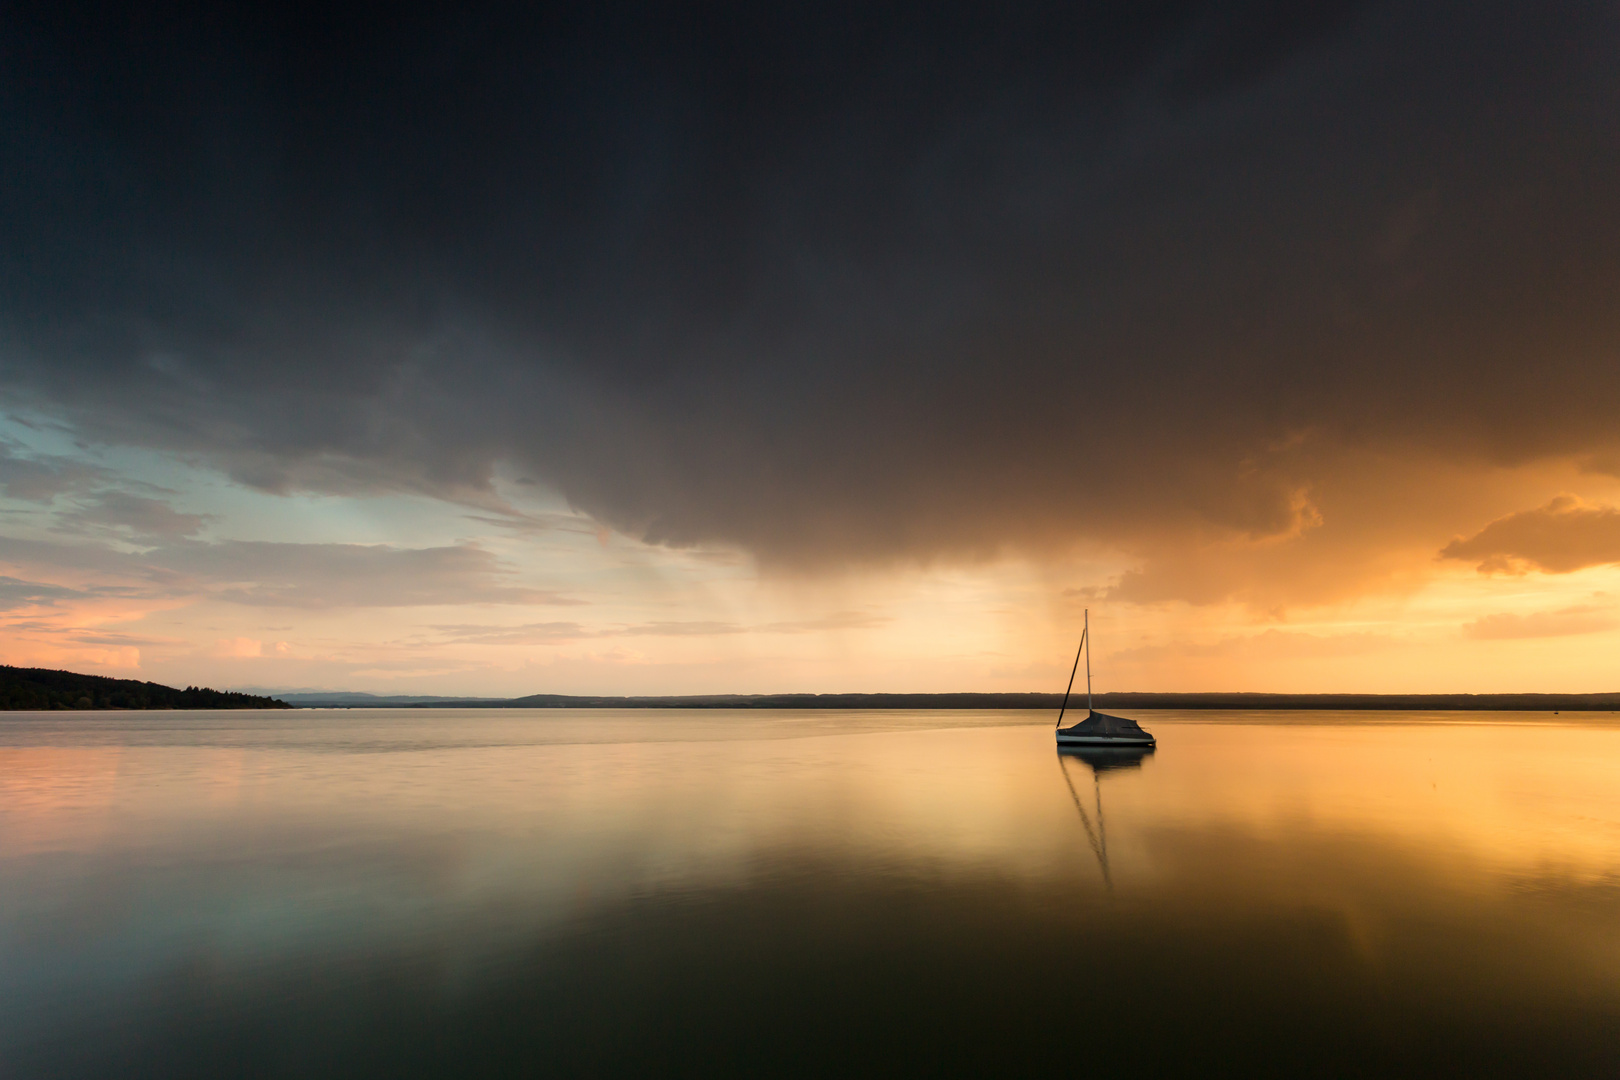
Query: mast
point(1072, 671)
point(1085, 637)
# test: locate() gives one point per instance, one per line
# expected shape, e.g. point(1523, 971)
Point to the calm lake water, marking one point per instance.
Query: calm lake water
point(603, 893)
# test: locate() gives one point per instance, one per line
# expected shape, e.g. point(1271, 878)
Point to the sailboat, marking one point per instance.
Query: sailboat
point(1097, 729)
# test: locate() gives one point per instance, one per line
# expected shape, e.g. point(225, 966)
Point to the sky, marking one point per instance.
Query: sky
point(709, 348)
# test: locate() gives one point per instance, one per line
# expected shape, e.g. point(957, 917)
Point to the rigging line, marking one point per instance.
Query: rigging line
point(1072, 673)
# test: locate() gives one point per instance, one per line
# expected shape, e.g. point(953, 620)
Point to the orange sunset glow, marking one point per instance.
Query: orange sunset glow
point(1503, 582)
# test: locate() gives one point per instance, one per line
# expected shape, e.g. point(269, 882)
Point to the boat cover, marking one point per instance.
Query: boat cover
point(1108, 726)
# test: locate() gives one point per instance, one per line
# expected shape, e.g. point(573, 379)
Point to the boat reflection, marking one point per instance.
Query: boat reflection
point(1107, 758)
point(1101, 759)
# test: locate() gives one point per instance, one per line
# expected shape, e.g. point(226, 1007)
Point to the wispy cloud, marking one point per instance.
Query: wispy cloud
point(264, 574)
point(548, 633)
point(42, 477)
point(1567, 622)
point(541, 633)
point(16, 593)
point(127, 516)
point(1269, 644)
point(267, 574)
point(1564, 536)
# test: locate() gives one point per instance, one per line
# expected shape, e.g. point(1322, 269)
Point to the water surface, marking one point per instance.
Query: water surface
point(703, 893)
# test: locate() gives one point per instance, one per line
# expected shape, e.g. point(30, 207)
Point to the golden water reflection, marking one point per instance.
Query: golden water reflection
point(1386, 869)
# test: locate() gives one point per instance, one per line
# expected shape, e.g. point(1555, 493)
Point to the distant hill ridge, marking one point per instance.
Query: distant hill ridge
point(43, 688)
point(1607, 702)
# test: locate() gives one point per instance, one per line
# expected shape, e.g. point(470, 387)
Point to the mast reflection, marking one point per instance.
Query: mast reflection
point(1101, 759)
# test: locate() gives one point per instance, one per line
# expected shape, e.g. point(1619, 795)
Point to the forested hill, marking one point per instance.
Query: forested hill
point(42, 688)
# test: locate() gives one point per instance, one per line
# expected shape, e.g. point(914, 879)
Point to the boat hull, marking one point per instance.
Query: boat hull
point(1064, 739)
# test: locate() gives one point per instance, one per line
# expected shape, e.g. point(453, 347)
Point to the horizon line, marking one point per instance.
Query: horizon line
point(1509, 701)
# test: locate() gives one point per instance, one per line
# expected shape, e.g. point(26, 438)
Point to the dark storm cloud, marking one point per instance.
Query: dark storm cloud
point(829, 282)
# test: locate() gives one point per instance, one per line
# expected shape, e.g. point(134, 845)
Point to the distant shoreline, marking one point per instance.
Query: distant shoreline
point(40, 688)
point(1606, 702)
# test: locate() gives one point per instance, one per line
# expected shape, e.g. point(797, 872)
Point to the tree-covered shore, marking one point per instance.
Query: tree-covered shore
point(43, 688)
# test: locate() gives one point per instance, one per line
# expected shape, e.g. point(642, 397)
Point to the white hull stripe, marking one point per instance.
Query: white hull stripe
point(1100, 740)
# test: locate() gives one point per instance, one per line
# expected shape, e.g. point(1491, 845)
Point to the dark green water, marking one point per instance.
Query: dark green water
point(708, 894)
